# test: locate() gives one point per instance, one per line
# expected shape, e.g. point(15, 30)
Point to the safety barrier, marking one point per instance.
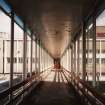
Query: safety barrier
point(87, 93)
point(20, 89)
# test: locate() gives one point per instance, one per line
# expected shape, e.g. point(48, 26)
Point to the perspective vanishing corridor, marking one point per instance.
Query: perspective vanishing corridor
point(55, 90)
point(52, 52)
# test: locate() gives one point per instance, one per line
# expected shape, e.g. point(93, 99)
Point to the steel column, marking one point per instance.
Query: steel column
point(78, 53)
point(31, 53)
point(12, 53)
point(94, 51)
point(39, 56)
point(36, 56)
point(84, 53)
point(72, 62)
point(74, 57)
point(24, 53)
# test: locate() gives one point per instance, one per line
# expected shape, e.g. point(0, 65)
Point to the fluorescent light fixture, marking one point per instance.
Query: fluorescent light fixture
point(90, 26)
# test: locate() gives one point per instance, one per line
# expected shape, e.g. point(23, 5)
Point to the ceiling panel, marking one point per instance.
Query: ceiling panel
point(52, 20)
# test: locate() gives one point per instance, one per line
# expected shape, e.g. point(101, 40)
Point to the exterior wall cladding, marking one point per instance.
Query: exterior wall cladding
point(18, 54)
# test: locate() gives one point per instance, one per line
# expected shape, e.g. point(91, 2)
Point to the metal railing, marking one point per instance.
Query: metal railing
point(20, 89)
point(87, 93)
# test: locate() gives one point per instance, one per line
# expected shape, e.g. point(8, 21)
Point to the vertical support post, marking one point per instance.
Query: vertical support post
point(94, 51)
point(39, 56)
point(100, 62)
point(78, 53)
point(70, 58)
point(67, 58)
point(36, 56)
point(74, 57)
point(31, 53)
point(84, 53)
point(12, 54)
point(72, 63)
point(24, 53)
point(3, 56)
point(44, 60)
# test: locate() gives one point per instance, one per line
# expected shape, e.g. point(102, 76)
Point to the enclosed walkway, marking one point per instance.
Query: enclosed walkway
point(52, 52)
point(53, 92)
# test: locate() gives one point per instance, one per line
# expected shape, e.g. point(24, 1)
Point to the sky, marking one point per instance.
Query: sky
point(100, 21)
point(5, 23)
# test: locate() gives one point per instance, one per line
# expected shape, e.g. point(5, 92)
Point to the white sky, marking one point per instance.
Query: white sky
point(100, 21)
point(5, 23)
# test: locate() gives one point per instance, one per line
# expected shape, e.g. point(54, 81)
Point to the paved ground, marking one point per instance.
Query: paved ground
point(53, 92)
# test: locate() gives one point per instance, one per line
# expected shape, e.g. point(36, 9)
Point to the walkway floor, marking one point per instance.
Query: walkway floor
point(53, 93)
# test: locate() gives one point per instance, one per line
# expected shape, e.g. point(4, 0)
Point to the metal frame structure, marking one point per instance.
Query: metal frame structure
point(31, 53)
point(12, 52)
point(24, 54)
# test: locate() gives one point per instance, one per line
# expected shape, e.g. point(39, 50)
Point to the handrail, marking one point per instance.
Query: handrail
point(88, 91)
point(94, 92)
point(8, 91)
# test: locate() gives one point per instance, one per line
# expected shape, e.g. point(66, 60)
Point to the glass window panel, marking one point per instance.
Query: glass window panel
point(18, 55)
point(89, 51)
point(80, 56)
point(28, 63)
point(5, 37)
point(100, 50)
point(33, 56)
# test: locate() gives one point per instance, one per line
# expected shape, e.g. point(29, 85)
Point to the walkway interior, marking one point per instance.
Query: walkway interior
point(55, 90)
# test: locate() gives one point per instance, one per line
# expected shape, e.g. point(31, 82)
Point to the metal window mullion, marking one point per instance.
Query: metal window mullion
point(3, 56)
point(70, 59)
point(31, 53)
point(41, 60)
point(72, 63)
point(78, 52)
point(12, 54)
point(24, 53)
point(39, 56)
point(44, 59)
point(94, 51)
point(100, 62)
point(87, 52)
point(84, 53)
point(36, 56)
point(75, 57)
